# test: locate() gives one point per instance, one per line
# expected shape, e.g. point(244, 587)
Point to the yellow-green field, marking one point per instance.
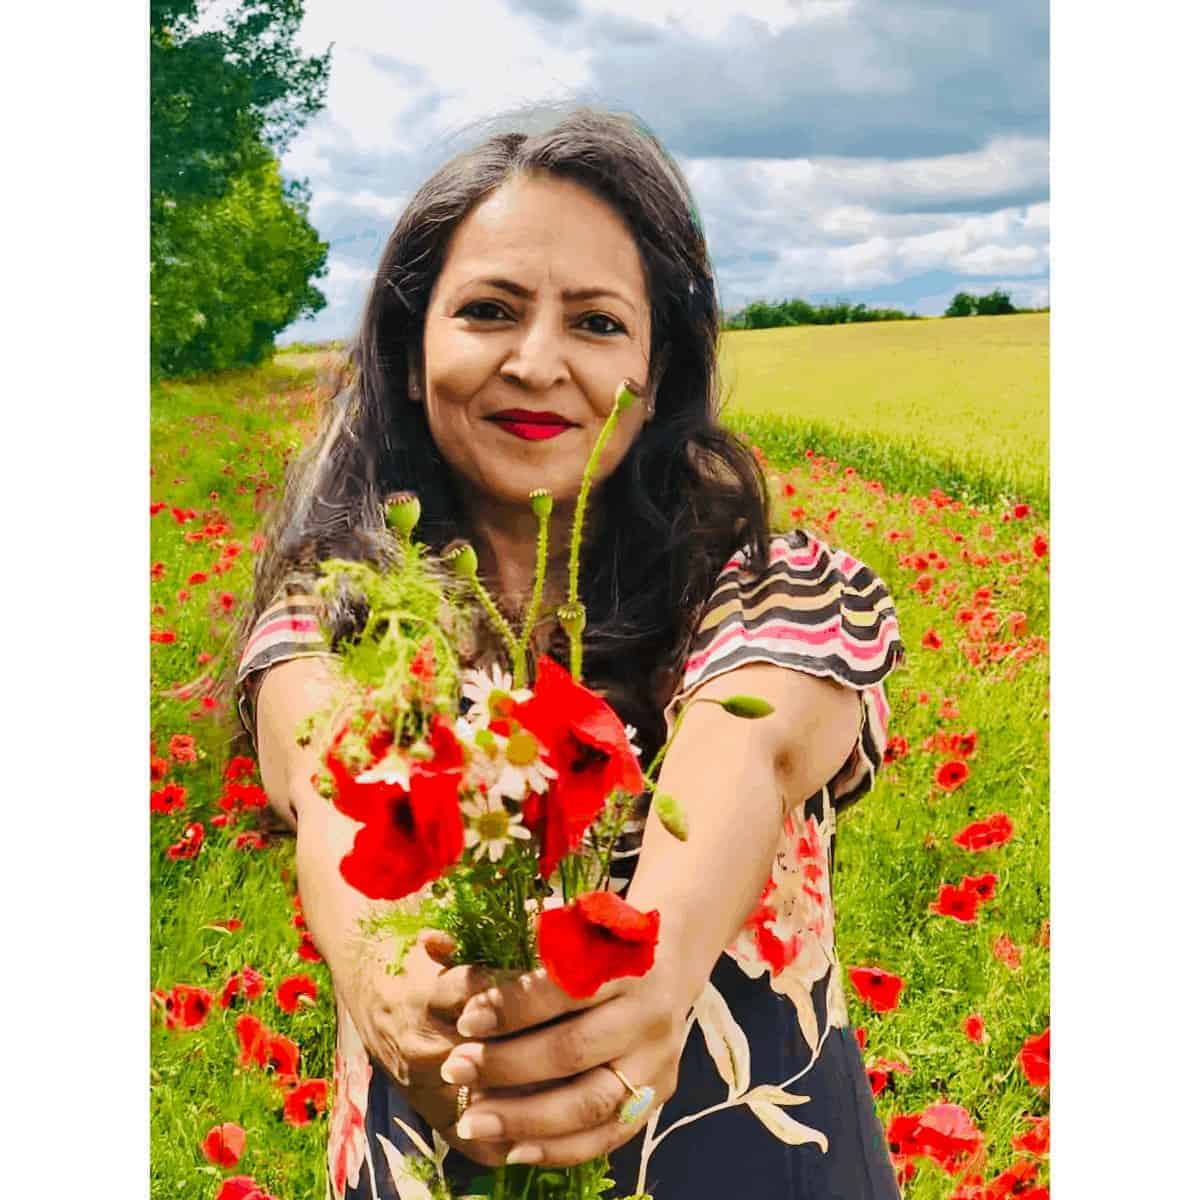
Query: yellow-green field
point(972, 393)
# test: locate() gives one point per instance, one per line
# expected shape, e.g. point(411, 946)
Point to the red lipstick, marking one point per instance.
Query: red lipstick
point(531, 426)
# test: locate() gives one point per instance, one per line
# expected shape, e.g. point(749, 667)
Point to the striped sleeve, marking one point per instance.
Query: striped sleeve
point(290, 627)
point(815, 609)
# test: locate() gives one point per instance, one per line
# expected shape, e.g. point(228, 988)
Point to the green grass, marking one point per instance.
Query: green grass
point(229, 435)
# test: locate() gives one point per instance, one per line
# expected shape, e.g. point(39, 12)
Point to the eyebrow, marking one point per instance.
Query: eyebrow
point(515, 289)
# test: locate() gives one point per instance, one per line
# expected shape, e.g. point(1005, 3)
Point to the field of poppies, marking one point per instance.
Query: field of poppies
point(942, 873)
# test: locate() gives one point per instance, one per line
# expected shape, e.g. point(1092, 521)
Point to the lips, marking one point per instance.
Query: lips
point(529, 425)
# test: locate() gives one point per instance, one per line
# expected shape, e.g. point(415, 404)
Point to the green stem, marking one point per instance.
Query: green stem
point(496, 617)
point(585, 487)
point(520, 667)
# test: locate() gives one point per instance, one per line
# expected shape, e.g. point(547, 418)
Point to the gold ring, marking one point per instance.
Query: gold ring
point(639, 1101)
point(461, 1101)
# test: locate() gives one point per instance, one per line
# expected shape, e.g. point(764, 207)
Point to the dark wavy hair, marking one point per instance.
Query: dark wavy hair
point(685, 497)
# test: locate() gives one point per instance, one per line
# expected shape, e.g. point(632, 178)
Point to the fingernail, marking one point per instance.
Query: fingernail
point(477, 1020)
point(525, 1154)
point(481, 1126)
point(460, 1068)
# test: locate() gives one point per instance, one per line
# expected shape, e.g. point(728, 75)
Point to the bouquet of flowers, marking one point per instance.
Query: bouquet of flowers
point(497, 824)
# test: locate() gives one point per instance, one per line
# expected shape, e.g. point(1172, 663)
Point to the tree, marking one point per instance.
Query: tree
point(226, 275)
point(995, 304)
point(963, 305)
point(232, 251)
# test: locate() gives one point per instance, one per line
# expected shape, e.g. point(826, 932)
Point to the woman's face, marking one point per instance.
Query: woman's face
point(539, 312)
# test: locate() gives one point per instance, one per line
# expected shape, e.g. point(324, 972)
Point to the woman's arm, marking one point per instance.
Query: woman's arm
point(406, 1021)
point(736, 779)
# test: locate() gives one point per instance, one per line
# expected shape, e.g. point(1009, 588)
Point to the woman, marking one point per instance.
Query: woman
point(522, 284)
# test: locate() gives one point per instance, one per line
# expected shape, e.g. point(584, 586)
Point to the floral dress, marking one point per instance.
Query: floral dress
point(772, 1097)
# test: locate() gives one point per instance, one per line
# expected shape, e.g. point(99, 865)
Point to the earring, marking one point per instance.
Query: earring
point(650, 409)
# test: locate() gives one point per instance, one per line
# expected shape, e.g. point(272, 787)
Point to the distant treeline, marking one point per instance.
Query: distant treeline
point(995, 304)
point(763, 315)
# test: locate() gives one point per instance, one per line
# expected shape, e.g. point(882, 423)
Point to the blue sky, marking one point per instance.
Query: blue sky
point(888, 151)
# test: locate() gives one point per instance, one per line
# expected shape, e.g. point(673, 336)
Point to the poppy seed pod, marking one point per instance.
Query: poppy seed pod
point(461, 558)
point(541, 502)
point(572, 618)
point(403, 511)
point(671, 814)
point(627, 393)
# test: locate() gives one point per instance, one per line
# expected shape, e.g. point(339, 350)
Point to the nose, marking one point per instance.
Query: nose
point(536, 360)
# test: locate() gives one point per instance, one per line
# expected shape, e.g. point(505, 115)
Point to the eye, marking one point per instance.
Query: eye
point(482, 310)
point(613, 327)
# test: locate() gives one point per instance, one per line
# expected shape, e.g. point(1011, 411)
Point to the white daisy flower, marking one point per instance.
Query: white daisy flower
point(631, 732)
point(490, 827)
point(478, 686)
point(391, 768)
point(522, 768)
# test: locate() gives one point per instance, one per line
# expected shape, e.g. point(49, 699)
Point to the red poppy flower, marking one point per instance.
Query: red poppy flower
point(1040, 546)
point(973, 1028)
point(897, 747)
point(292, 990)
point(965, 743)
point(187, 1007)
point(931, 640)
point(1036, 1139)
point(242, 1187)
point(246, 984)
point(162, 637)
point(1035, 1059)
point(1020, 511)
point(308, 949)
point(948, 710)
point(257, 542)
point(903, 1135)
point(251, 840)
point(227, 600)
point(588, 747)
point(232, 924)
point(595, 938)
point(984, 886)
point(961, 904)
point(789, 489)
point(305, 1101)
point(189, 843)
point(281, 1055)
point(408, 837)
point(239, 767)
point(168, 799)
point(879, 1073)
point(1007, 951)
point(157, 507)
point(879, 988)
point(947, 1134)
point(252, 1037)
point(860, 1036)
point(158, 766)
point(983, 835)
point(182, 747)
point(952, 775)
point(158, 570)
point(223, 1144)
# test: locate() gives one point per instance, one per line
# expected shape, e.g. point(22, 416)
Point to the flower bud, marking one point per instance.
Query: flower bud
point(671, 814)
point(627, 393)
point(403, 511)
point(542, 503)
point(460, 557)
point(750, 707)
point(573, 618)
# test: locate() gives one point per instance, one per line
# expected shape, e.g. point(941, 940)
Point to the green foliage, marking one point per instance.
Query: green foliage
point(232, 252)
point(223, 100)
point(997, 303)
point(227, 274)
point(963, 305)
point(763, 315)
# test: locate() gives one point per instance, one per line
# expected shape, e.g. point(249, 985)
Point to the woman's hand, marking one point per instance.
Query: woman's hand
point(407, 1024)
point(634, 1025)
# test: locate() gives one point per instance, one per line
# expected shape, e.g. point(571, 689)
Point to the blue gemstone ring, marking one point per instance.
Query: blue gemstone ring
point(639, 1102)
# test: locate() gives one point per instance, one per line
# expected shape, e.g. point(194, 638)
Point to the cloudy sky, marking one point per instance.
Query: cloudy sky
point(888, 151)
